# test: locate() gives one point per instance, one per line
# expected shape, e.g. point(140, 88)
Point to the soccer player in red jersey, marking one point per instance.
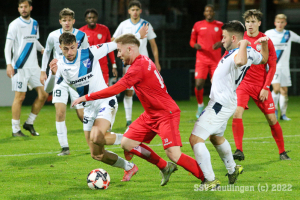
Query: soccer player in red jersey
point(99, 34)
point(256, 84)
point(161, 116)
point(206, 39)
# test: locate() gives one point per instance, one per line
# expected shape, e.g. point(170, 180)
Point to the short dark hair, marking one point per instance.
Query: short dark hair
point(67, 38)
point(234, 26)
point(134, 3)
point(211, 6)
point(66, 12)
point(127, 39)
point(22, 1)
point(253, 13)
point(91, 10)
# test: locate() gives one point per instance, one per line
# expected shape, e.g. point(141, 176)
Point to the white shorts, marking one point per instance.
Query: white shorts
point(283, 77)
point(104, 108)
point(124, 71)
point(213, 120)
point(24, 77)
point(61, 95)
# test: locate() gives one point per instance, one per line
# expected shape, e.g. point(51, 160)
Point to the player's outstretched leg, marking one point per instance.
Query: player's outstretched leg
point(112, 138)
point(275, 98)
point(238, 133)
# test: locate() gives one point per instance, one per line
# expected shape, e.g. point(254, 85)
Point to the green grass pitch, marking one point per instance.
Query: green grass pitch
point(30, 168)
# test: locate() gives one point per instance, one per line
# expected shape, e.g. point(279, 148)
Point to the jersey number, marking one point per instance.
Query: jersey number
point(159, 79)
point(57, 93)
point(19, 85)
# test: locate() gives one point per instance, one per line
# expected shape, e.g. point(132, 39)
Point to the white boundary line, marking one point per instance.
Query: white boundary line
point(118, 147)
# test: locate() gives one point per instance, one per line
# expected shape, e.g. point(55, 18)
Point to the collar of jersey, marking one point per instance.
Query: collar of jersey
point(25, 21)
point(71, 63)
point(136, 23)
point(279, 31)
point(62, 32)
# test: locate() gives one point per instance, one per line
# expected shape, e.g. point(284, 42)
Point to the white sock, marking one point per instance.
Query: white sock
point(15, 125)
point(201, 105)
point(128, 107)
point(225, 154)
point(276, 99)
point(61, 129)
point(31, 118)
point(119, 137)
point(283, 104)
point(203, 159)
point(124, 164)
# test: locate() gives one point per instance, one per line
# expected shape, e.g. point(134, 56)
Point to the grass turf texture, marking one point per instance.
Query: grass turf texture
point(30, 168)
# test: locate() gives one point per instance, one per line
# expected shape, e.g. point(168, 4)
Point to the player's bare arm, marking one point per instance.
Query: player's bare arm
point(115, 72)
point(79, 100)
point(43, 77)
point(53, 66)
point(10, 71)
point(241, 57)
point(155, 53)
point(264, 49)
point(217, 45)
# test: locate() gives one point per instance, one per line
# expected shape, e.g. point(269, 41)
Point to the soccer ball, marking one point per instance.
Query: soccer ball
point(98, 179)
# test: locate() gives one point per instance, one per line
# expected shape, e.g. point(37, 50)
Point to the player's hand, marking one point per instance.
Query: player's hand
point(115, 73)
point(78, 101)
point(263, 95)
point(243, 42)
point(197, 46)
point(217, 45)
point(262, 40)
point(143, 31)
point(158, 67)
point(42, 51)
point(10, 71)
point(53, 66)
point(43, 77)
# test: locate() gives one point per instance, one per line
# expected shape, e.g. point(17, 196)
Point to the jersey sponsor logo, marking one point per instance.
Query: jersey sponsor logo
point(23, 26)
point(67, 69)
point(258, 47)
point(82, 79)
point(99, 36)
point(87, 63)
point(29, 37)
point(203, 28)
point(216, 29)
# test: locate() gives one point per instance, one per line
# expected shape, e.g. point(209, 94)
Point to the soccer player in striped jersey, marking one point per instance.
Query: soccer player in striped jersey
point(23, 69)
point(62, 91)
point(282, 40)
point(132, 25)
point(223, 102)
point(81, 70)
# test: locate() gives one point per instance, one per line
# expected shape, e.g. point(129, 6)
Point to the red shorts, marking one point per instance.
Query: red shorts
point(202, 69)
point(144, 129)
point(245, 91)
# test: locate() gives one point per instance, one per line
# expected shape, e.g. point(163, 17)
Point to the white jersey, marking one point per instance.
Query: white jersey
point(282, 42)
point(128, 27)
point(228, 76)
point(53, 44)
point(84, 73)
point(24, 34)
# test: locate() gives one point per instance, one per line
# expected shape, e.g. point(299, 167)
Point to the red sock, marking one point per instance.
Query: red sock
point(199, 95)
point(148, 154)
point(277, 135)
point(238, 132)
point(191, 165)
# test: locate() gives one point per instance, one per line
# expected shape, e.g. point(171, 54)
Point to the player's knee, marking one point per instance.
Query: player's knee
point(98, 157)
point(272, 120)
point(60, 115)
point(173, 156)
point(98, 138)
point(20, 98)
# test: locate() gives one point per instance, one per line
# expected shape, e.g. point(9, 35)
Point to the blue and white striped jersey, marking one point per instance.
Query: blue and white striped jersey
point(24, 34)
point(282, 42)
point(53, 44)
point(228, 76)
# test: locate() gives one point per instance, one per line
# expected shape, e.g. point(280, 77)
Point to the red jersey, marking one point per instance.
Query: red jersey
point(207, 34)
point(149, 87)
point(257, 74)
point(100, 35)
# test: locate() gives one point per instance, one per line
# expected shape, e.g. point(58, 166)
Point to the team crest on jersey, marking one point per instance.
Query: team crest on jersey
point(216, 29)
point(87, 63)
point(99, 36)
point(258, 47)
